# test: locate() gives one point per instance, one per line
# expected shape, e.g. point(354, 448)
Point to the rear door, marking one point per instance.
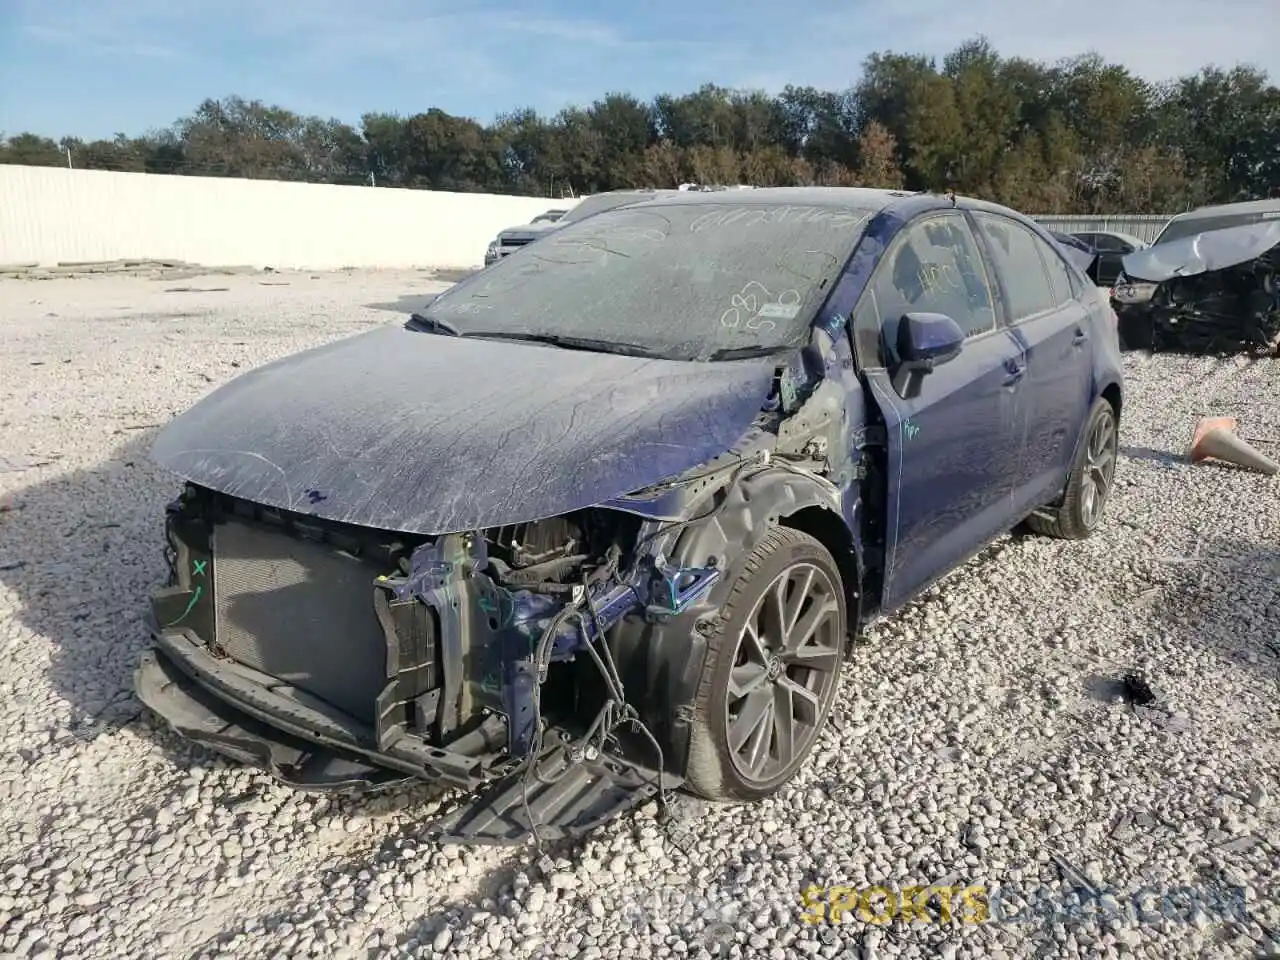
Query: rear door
point(952, 448)
point(1040, 294)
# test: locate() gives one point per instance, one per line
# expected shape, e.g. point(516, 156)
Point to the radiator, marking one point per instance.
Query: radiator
point(299, 611)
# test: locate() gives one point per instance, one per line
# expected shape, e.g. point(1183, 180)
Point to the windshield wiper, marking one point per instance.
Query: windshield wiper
point(423, 324)
point(572, 343)
point(745, 353)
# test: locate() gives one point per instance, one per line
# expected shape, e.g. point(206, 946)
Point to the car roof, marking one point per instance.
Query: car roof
point(770, 196)
point(870, 199)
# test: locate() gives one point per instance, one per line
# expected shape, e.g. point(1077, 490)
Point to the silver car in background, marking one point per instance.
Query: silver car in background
point(513, 238)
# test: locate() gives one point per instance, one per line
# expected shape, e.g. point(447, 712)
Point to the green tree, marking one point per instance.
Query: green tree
point(1082, 135)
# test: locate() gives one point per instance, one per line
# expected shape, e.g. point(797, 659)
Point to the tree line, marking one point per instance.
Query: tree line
point(1078, 136)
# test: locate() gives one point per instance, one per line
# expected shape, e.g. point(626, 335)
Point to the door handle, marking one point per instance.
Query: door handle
point(1080, 337)
point(1014, 371)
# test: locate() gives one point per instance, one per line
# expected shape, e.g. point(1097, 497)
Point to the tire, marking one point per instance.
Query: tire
point(790, 560)
point(1089, 483)
point(1136, 332)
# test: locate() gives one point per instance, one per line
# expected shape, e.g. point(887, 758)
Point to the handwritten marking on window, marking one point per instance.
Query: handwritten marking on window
point(752, 306)
point(936, 277)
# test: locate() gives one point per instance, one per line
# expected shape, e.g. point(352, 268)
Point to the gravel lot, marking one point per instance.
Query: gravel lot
point(973, 743)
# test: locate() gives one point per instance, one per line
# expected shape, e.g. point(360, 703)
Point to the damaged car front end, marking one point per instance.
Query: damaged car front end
point(381, 656)
point(1212, 291)
point(488, 550)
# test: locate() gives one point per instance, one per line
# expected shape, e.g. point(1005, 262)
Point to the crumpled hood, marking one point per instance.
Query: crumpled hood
point(1202, 252)
point(431, 434)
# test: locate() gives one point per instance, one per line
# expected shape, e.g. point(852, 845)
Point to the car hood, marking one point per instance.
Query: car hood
point(529, 232)
point(431, 434)
point(1202, 252)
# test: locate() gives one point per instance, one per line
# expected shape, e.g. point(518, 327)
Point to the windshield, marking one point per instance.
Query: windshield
point(1177, 229)
point(682, 281)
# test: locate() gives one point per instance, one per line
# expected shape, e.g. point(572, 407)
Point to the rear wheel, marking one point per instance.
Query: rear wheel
point(771, 672)
point(1089, 484)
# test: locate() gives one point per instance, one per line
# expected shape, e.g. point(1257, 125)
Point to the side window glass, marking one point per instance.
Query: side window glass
point(1062, 281)
point(1017, 260)
point(933, 266)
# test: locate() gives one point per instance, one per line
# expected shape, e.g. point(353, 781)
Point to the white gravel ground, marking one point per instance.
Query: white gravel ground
point(972, 743)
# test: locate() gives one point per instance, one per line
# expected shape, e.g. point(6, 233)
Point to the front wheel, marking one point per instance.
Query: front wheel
point(1089, 484)
point(771, 671)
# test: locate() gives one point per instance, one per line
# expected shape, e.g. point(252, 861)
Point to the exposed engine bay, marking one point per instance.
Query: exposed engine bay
point(1204, 303)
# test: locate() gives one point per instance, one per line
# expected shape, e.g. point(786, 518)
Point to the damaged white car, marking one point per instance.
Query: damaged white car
point(1209, 284)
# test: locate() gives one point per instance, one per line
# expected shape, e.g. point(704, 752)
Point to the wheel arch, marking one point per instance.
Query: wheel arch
point(661, 663)
point(829, 529)
point(1114, 396)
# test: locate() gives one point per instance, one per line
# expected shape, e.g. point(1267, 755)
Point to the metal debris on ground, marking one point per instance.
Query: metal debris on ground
point(1136, 690)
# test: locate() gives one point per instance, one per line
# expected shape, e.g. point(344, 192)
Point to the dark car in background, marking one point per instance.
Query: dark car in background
point(1077, 251)
point(1210, 282)
point(604, 522)
point(1109, 248)
point(515, 238)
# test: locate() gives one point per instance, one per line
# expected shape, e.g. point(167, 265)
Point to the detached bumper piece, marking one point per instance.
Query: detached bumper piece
point(242, 713)
point(196, 715)
point(564, 799)
point(567, 803)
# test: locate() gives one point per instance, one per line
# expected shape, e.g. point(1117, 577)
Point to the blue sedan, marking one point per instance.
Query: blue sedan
point(602, 521)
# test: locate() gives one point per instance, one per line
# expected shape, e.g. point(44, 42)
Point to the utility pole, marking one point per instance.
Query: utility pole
point(68, 149)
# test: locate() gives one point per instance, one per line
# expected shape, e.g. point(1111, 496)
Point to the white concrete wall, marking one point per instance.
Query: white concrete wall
point(50, 215)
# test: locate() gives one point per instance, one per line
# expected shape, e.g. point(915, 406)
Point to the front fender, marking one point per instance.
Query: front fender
point(661, 663)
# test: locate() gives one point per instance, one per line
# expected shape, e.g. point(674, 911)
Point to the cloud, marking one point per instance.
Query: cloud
point(102, 43)
point(338, 58)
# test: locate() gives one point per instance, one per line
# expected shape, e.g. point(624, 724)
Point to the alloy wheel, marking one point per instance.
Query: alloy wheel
point(785, 666)
point(1099, 469)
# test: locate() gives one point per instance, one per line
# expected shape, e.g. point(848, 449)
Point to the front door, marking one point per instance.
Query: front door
point(953, 447)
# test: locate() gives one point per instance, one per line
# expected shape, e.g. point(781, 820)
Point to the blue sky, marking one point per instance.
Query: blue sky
point(95, 67)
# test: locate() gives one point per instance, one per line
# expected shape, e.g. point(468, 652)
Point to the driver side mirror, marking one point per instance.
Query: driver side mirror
point(925, 340)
